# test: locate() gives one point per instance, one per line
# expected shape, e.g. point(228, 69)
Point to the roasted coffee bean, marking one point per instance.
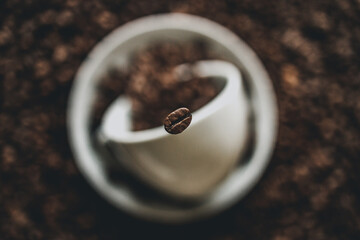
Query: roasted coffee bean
point(177, 121)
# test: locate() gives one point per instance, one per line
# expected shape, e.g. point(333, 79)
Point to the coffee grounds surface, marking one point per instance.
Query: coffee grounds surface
point(310, 189)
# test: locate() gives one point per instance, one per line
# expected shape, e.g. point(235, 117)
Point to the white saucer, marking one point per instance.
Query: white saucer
point(114, 50)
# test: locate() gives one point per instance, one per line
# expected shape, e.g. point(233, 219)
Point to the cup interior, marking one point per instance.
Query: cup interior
point(225, 76)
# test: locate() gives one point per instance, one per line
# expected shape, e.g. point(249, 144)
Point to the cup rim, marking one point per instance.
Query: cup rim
point(235, 186)
point(232, 87)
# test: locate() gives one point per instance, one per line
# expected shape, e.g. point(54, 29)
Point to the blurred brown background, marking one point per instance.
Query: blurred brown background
point(311, 189)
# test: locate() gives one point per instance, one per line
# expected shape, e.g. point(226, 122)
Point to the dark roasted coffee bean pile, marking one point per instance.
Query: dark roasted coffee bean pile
point(310, 189)
point(154, 87)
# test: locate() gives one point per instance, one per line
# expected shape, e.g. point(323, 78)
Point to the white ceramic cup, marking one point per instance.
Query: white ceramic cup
point(188, 165)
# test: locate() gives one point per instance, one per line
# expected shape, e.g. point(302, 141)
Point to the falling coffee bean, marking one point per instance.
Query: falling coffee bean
point(177, 121)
